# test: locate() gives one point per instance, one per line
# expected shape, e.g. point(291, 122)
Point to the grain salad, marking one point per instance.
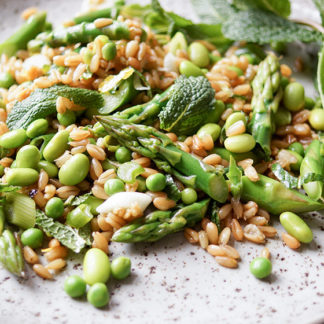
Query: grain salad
point(130, 123)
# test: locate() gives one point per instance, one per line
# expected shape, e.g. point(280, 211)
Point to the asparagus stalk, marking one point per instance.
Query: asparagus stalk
point(10, 254)
point(274, 197)
point(158, 224)
point(267, 94)
point(33, 26)
point(151, 143)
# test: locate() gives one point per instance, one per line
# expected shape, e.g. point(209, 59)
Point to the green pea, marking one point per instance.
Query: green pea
point(96, 266)
point(32, 237)
point(296, 227)
point(141, 184)
point(87, 55)
point(74, 170)
point(297, 147)
point(109, 51)
point(99, 130)
point(28, 157)
point(294, 96)
point(211, 129)
point(56, 146)
point(235, 69)
point(67, 118)
point(261, 267)
point(189, 196)
point(215, 115)
point(79, 216)
point(2, 170)
point(50, 168)
point(54, 208)
point(13, 139)
point(316, 119)
point(156, 182)
point(282, 117)
point(123, 154)
point(75, 286)
point(37, 127)
point(6, 80)
point(240, 143)
point(296, 166)
point(188, 69)
point(309, 103)
point(233, 118)
point(98, 295)
point(113, 186)
point(21, 176)
point(198, 54)
point(178, 42)
point(121, 267)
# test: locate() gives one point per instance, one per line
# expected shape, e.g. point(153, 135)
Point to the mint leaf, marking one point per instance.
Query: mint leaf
point(284, 176)
point(320, 6)
point(171, 189)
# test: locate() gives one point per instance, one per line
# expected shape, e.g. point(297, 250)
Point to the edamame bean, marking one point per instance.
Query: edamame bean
point(54, 208)
point(96, 266)
point(56, 146)
point(233, 118)
point(296, 227)
point(316, 119)
point(123, 154)
point(309, 103)
point(156, 182)
point(294, 96)
point(297, 147)
point(67, 118)
point(79, 216)
point(178, 42)
point(37, 127)
point(28, 157)
point(74, 170)
point(211, 129)
point(188, 69)
point(189, 196)
point(50, 168)
point(21, 176)
point(6, 80)
point(109, 51)
point(98, 295)
point(75, 286)
point(113, 186)
point(261, 267)
point(32, 237)
point(282, 117)
point(198, 54)
point(13, 139)
point(215, 115)
point(240, 143)
point(121, 267)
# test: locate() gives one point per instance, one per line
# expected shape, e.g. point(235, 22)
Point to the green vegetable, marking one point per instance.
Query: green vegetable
point(21, 177)
point(75, 286)
point(233, 118)
point(320, 75)
point(294, 96)
point(189, 196)
point(113, 186)
point(96, 266)
point(109, 51)
point(98, 295)
point(10, 254)
point(67, 118)
point(296, 227)
point(141, 184)
point(88, 199)
point(56, 146)
point(37, 127)
point(32, 237)
point(32, 27)
point(239, 143)
point(79, 216)
point(149, 142)
point(74, 170)
point(123, 154)
point(2, 219)
point(68, 236)
point(170, 189)
point(42, 103)
point(261, 267)
point(234, 176)
point(213, 211)
point(265, 101)
point(128, 171)
point(296, 166)
point(50, 168)
point(316, 119)
point(28, 157)
point(198, 54)
point(297, 147)
point(13, 139)
point(189, 69)
point(156, 182)
point(121, 268)
point(190, 102)
point(54, 208)
point(178, 42)
point(6, 80)
point(282, 117)
point(158, 224)
point(209, 129)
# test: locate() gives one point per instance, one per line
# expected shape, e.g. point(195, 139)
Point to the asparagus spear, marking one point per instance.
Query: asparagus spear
point(30, 29)
point(274, 197)
point(158, 224)
point(313, 162)
point(10, 253)
point(151, 143)
point(267, 94)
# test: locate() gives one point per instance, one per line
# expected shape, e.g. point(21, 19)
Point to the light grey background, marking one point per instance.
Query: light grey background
point(172, 281)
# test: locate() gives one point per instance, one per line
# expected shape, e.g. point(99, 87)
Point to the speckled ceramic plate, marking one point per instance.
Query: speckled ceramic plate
point(171, 280)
